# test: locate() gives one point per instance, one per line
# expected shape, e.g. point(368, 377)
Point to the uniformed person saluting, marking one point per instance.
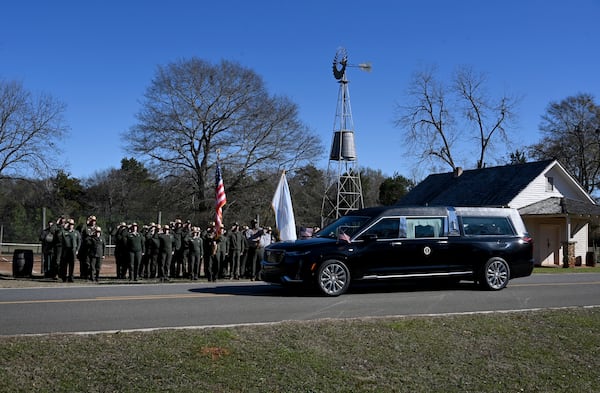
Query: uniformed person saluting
point(96, 253)
point(165, 253)
point(135, 246)
point(71, 240)
point(195, 252)
point(121, 252)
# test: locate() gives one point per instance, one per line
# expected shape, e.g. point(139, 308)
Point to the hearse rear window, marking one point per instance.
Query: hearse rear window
point(424, 227)
point(482, 226)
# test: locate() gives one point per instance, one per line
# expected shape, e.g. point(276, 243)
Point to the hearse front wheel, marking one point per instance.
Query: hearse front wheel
point(495, 274)
point(333, 278)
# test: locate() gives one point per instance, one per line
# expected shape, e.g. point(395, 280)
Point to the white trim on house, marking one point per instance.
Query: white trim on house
point(564, 185)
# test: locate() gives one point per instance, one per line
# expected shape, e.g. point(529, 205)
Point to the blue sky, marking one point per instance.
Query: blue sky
point(99, 57)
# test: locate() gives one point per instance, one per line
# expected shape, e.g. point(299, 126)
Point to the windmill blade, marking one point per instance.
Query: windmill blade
point(365, 67)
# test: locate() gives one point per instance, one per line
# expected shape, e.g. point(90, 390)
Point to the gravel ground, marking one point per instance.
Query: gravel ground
point(108, 273)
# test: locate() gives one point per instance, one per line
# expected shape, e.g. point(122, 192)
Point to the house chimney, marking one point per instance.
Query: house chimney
point(458, 171)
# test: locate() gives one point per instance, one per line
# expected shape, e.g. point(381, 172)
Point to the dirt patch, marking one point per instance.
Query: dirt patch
point(7, 279)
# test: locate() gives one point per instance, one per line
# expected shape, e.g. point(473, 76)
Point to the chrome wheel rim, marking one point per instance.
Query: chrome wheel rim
point(333, 279)
point(497, 275)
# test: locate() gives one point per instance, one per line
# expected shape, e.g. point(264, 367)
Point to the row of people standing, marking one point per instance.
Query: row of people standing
point(156, 251)
point(237, 253)
point(62, 244)
point(177, 250)
point(181, 250)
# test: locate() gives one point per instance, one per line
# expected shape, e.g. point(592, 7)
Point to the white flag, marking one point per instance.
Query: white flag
point(284, 213)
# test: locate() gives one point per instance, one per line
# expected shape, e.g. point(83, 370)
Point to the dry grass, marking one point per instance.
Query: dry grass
point(549, 351)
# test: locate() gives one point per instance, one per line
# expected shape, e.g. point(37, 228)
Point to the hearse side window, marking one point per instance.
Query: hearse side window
point(347, 225)
point(486, 226)
point(386, 228)
point(418, 227)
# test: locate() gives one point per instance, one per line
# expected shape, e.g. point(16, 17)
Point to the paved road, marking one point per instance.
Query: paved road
point(124, 307)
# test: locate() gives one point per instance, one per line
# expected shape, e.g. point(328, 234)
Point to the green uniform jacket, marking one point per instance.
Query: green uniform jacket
point(135, 242)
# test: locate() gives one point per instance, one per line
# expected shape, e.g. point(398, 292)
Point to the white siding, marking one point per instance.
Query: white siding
point(581, 245)
point(563, 183)
point(534, 192)
point(564, 186)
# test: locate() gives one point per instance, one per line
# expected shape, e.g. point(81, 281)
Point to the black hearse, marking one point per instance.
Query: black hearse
point(487, 245)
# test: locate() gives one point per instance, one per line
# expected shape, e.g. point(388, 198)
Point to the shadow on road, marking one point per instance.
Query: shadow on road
point(242, 290)
point(366, 287)
point(422, 285)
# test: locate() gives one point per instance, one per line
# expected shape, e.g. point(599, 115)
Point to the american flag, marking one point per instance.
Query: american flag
point(220, 199)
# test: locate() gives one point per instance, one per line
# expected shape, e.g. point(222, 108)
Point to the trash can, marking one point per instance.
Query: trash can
point(22, 263)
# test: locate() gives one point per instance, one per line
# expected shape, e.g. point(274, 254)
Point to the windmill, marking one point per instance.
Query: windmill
point(344, 191)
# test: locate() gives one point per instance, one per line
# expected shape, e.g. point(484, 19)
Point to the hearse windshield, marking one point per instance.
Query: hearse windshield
point(345, 226)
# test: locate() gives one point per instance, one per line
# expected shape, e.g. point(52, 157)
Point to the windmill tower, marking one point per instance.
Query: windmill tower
point(344, 191)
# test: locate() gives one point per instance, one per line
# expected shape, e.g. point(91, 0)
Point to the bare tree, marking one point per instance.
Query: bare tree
point(193, 109)
point(489, 118)
point(440, 116)
point(429, 123)
point(29, 129)
point(571, 130)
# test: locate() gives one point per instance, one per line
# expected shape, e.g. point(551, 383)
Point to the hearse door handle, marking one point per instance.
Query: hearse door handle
point(394, 244)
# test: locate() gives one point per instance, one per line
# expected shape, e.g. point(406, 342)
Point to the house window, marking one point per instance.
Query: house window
point(550, 184)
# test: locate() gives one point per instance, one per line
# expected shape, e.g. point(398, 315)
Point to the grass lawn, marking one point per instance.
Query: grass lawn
point(544, 351)
point(560, 270)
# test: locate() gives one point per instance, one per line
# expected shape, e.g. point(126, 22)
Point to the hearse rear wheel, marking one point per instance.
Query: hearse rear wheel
point(495, 274)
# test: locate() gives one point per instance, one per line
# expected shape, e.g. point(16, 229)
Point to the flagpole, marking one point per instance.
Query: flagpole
point(220, 197)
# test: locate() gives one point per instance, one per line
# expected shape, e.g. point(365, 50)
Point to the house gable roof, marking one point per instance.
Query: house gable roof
point(494, 186)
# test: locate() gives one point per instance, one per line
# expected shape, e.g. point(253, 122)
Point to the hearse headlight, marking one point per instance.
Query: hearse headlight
point(298, 253)
point(274, 256)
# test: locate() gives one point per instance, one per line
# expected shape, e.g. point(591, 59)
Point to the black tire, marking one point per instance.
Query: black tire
point(333, 278)
point(494, 275)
